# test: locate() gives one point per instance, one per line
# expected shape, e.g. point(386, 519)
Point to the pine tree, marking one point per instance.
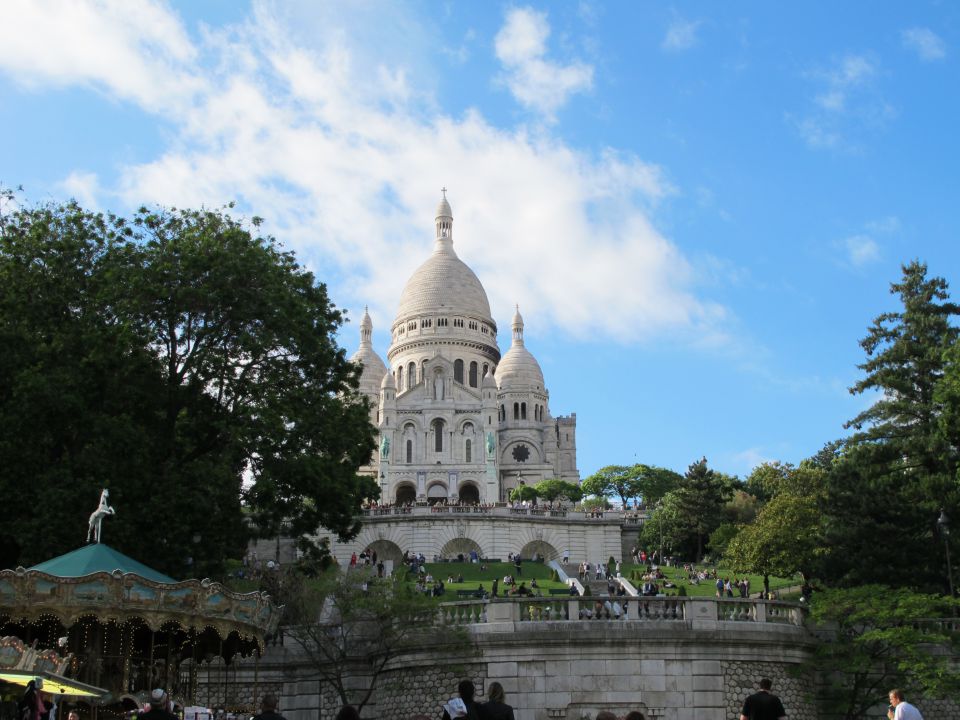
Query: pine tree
point(896, 470)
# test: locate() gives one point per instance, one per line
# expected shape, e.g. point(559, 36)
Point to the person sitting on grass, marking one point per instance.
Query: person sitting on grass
point(459, 577)
point(533, 583)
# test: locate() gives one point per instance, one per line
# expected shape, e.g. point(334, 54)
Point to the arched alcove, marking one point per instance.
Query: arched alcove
point(436, 493)
point(469, 494)
point(406, 493)
point(540, 549)
point(387, 550)
point(460, 546)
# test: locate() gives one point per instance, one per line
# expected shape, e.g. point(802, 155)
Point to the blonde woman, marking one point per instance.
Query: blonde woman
point(495, 708)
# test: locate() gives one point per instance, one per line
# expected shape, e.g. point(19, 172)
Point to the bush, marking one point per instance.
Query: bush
point(682, 591)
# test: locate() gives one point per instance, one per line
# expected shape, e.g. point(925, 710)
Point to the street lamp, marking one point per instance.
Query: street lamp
point(943, 525)
point(660, 523)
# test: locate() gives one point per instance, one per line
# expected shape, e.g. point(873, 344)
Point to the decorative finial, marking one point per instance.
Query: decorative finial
point(444, 191)
point(97, 516)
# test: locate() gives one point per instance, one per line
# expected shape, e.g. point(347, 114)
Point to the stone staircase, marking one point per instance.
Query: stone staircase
point(598, 588)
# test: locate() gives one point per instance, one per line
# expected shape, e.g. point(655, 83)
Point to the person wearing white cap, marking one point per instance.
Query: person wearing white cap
point(159, 707)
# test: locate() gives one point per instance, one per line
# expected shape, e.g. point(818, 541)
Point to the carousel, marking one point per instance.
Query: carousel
point(109, 629)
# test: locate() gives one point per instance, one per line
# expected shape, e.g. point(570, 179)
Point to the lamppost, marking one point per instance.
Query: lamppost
point(660, 523)
point(943, 525)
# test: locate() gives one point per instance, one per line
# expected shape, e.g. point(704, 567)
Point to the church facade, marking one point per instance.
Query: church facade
point(458, 421)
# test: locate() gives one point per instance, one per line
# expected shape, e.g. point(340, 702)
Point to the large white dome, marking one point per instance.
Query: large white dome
point(445, 284)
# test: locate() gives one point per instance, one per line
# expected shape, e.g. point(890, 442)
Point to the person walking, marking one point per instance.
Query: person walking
point(900, 709)
point(763, 705)
point(495, 708)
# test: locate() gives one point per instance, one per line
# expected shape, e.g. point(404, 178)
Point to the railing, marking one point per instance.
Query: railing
point(694, 611)
point(498, 510)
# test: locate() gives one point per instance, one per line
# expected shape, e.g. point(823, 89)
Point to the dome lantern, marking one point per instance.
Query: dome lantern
point(444, 223)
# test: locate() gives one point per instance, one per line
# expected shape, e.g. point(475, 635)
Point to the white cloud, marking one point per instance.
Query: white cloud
point(534, 81)
point(925, 43)
point(681, 35)
point(134, 49)
point(84, 187)
point(860, 250)
point(289, 118)
point(846, 104)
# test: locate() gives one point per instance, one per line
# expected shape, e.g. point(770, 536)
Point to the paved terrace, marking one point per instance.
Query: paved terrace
point(501, 510)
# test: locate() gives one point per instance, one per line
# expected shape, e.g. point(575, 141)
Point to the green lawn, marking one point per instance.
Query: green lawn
point(707, 588)
point(474, 576)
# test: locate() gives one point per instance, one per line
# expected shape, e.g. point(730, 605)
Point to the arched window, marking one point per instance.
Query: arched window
point(468, 448)
point(458, 371)
point(467, 428)
point(438, 435)
point(400, 378)
point(516, 411)
point(473, 374)
point(523, 411)
point(485, 368)
point(411, 375)
point(503, 414)
point(409, 451)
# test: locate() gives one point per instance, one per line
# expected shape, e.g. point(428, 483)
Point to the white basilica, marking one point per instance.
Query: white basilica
point(457, 421)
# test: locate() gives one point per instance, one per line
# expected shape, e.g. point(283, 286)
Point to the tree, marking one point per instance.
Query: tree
point(699, 502)
point(878, 637)
point(631, 482)
point(351, 625)
point(898, 468)
point(523, 493)
point(767, 479)
point(554, 488)
point(653, 482)
point(169, 358)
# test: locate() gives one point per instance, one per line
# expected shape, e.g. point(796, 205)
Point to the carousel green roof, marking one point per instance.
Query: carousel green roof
point(98, 557)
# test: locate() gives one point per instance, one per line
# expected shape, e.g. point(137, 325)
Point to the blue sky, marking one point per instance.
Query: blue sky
point(699, 208)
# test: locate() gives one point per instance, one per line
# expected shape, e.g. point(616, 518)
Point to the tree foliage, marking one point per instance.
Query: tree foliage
point(351, 625)
point(877, 637)
point(553, 489)
point(168, 358)
point(699, 504)
point(631, 482)
point(899, 467)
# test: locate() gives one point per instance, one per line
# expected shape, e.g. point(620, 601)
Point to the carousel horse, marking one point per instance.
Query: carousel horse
point(96, 517)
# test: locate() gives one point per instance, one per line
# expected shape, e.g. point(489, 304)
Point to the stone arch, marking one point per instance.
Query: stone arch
point(405, 493)
point(387, 550)
point(469, 494)
point(437, 492)
point(460, 546)
point(541, 549)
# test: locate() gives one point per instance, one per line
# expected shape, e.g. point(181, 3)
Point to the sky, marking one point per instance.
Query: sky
point(698, 207)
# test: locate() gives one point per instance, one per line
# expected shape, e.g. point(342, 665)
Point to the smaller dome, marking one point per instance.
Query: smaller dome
point(444, 209)
point(388, 382)
point(489, 381)
point(373, 367)
point(518, 368)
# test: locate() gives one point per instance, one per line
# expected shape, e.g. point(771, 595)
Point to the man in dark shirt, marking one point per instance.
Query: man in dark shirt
point(763, 705)
point(159, 707)
point(268, 709)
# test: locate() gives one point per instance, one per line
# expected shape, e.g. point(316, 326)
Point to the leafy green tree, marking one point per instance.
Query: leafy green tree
point(898, 468)
point(653, 482)
point(553, 488)
point(169, 358)
point(699, 505)
point(767, 479)
point(523, 493)
point(878, 637)
point(619, 480)
point(351, 626)
point(721, 537)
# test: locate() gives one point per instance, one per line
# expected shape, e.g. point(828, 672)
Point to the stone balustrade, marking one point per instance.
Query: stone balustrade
point(694, 611)
point(539, 513)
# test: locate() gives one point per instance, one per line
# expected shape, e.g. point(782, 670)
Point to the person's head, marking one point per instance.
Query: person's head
point(466, 690)
point(896, 696)
point(73, 715)
point(157, 698)
point(269, 702)
point(348, 712)
point(635, 715)
point(495, 692)
point(766, 684)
